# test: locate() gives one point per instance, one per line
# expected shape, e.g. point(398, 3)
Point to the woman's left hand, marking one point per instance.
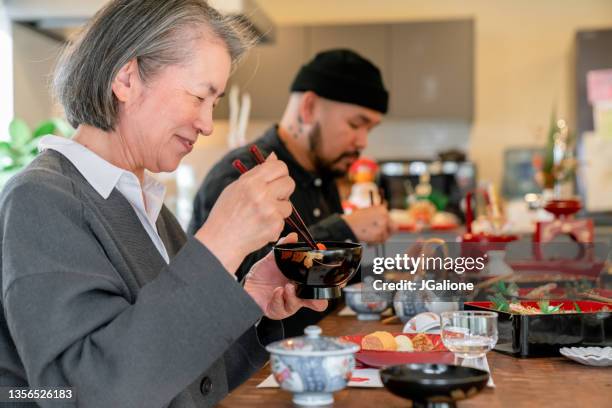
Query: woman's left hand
point(273, 292)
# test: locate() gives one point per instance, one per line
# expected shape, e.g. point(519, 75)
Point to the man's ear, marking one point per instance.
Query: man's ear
point(307, 107)
point(125, 81)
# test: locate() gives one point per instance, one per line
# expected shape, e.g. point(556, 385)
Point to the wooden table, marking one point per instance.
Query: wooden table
point(538, 382)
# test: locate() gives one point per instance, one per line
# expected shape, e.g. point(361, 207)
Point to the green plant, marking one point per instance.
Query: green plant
point(22, 146)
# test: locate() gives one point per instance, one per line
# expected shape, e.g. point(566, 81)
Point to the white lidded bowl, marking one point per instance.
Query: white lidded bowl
point(312, 367)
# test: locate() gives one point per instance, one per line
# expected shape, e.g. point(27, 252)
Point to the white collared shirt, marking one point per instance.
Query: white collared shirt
point(104, 177)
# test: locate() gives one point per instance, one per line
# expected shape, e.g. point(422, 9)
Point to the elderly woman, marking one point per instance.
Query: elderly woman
point(101, 289)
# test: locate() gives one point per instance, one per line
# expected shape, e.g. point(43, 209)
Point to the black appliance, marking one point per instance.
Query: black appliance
point(450, 178)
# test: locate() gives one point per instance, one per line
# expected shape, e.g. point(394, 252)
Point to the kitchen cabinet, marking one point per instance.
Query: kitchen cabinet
point(427, 66)
point(432, 70)
point(266, 74)
point(592, 53)
point(369, 40)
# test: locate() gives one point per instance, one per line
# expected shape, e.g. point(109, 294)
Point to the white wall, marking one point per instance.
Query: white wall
point(34, 56)
point(6, 71)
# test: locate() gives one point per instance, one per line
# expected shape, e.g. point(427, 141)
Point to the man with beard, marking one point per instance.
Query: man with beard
point(336, 99)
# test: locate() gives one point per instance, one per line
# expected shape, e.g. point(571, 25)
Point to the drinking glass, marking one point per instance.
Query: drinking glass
point(469, 334)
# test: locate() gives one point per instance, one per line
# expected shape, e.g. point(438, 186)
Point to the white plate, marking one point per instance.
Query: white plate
point(422, 322)
point(435, 330)
point(593, 356)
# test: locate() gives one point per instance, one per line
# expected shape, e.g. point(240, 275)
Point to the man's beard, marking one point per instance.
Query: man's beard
point(322, 166)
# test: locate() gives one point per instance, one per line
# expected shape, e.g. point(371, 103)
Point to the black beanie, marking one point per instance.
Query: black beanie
point(343, 75)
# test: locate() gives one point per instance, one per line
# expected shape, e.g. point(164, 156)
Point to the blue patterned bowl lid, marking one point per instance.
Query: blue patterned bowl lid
point(312, 344)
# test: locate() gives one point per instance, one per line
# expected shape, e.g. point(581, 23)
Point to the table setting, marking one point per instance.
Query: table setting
point(431, 348)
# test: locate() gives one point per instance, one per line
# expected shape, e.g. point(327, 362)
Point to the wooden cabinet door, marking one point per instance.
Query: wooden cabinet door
point(432, 65)
point(267, 72)
point(426, 66)
point(369, 40)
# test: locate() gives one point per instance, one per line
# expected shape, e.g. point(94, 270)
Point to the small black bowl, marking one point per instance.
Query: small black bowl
point(434, 385)
point(318, 274)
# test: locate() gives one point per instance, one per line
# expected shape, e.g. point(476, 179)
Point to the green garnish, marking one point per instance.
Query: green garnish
point(499, 302)
point(510, 290)
point(547, 309)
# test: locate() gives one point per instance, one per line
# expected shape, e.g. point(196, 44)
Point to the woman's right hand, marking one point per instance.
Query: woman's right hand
point(249, 213)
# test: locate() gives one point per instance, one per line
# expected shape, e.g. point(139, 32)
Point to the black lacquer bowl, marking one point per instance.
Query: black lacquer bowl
point(321, 273)
point(433, 385)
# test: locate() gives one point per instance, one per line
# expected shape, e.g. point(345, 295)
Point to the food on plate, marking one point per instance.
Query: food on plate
point(380, 340)
point(543, 308)
point(404, 343)
point(402, 218)
point(422, 211)
point(444, 219)
point(385, 341)
point(422, 342)
point(498, 302)
point(512, 290)
point(541, 291)
point(321, 246)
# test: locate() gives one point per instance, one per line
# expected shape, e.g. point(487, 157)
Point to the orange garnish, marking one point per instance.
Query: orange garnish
point(321, 246)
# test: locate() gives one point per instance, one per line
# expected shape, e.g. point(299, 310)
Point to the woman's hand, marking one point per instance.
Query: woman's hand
point(249, 213)
point(274, 294)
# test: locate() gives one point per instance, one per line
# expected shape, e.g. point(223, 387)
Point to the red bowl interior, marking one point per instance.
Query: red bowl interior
point(563, 207)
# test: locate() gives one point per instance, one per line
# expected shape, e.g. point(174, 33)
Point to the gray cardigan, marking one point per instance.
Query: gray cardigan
point(88, 301)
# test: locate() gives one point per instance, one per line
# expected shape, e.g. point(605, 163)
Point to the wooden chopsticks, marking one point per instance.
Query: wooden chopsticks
point(294, 220)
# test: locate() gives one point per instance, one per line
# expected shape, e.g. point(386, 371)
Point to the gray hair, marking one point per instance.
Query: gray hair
point(153, 32)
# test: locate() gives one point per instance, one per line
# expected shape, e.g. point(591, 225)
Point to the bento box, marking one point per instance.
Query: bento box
point(527, 331)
